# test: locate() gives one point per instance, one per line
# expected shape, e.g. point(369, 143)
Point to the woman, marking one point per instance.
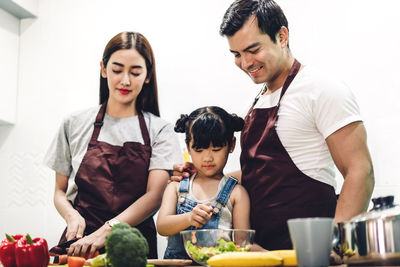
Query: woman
point(117, 154)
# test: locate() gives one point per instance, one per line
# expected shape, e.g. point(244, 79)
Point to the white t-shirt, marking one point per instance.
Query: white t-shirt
point(313, 107)
point(69, 146)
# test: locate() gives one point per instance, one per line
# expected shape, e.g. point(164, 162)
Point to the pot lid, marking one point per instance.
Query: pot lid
point(383, 208)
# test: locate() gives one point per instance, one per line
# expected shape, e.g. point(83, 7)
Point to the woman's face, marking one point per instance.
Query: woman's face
point(126, 73)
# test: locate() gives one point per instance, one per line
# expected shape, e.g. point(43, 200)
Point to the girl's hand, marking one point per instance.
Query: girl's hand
point(200, 214)
point(182, 170)
point(88, 245)
point(75, 226)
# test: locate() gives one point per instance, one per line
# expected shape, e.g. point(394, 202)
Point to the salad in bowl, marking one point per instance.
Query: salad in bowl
point(202, 244)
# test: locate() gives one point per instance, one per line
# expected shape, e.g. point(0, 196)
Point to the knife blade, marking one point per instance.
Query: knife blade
point(61, 249)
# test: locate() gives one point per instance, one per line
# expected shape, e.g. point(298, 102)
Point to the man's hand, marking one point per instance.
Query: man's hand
point(335, 259)
point(182, 170)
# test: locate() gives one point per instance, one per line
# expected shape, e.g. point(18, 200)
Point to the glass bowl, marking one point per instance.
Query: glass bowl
point(202, 244)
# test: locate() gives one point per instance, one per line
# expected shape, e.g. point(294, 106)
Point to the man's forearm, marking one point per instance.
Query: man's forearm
point(354, 196)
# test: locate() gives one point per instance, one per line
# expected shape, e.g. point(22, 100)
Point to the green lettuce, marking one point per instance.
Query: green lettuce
point(202, 254)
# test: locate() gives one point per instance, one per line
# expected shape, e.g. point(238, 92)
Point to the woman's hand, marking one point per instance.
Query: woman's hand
point(200, 214)
point(182, 170)
point(75, 222)
point(88, 245)
point(76, 225)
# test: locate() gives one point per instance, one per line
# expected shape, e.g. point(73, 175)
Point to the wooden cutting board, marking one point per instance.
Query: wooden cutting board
point(171, 262)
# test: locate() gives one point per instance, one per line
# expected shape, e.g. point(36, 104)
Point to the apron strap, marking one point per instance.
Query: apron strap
point(98, 122)
point(143, 128)
point(292, 73)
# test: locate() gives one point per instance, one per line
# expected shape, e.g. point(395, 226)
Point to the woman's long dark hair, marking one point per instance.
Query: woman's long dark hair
point(147, 100)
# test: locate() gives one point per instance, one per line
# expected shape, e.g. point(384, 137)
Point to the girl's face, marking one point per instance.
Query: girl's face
point(210, 161)
point(126, 73)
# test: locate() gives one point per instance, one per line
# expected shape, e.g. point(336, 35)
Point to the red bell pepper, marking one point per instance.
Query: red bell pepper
point(32, 253)
point(7, 250)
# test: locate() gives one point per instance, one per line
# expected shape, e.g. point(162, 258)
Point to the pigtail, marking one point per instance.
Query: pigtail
point(237, 123)
point(180, 125)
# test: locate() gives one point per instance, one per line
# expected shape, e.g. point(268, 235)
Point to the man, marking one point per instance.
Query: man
point(301, 124)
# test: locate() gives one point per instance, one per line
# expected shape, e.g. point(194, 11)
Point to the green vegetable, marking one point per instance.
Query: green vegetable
point(126, 247)
point(121, 226)
point(202, 254)
point(99, 261)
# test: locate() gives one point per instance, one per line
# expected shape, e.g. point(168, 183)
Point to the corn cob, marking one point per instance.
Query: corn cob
point(234, 259)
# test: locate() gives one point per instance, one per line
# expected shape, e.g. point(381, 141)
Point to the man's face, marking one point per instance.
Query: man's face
point(255, 53)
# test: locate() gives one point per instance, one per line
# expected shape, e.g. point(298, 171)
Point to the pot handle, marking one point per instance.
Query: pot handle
point(336, 236)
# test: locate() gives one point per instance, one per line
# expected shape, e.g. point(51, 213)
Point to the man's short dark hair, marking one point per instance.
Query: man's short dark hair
point(269, 15)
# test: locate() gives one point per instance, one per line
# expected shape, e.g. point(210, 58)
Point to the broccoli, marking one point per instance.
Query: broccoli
point(126, 246)
point(121, 226)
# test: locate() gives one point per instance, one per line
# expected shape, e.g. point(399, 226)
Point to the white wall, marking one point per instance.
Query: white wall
point(356, 40)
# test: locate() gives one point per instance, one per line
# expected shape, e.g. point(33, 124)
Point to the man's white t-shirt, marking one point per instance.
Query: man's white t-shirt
point(313, 107)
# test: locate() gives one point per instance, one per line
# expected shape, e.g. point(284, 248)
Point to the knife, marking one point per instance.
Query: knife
point(61, 249)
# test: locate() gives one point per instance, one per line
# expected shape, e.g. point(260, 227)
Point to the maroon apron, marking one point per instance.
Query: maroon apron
point(111, 178)
point(278, 189)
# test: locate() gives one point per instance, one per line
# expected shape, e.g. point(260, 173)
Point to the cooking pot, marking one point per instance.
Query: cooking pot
point(373, 237)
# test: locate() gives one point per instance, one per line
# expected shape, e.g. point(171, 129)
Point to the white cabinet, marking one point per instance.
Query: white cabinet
point(20, 8)
point(9, 36)
point(11, 11)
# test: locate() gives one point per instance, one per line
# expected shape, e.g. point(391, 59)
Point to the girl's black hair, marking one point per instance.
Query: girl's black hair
point(209, 125)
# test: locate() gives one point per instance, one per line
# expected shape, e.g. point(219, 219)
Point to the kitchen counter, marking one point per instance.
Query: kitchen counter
point(343, 265)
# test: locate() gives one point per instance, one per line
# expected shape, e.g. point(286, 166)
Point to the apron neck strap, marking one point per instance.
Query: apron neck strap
point(292, 73)
point(99, 123)
point(143, 129)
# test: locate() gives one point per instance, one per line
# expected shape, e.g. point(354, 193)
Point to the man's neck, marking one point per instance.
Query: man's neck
point(277, 82)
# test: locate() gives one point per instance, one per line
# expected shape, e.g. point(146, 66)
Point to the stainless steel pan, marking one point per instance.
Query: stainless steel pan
point(372, 238)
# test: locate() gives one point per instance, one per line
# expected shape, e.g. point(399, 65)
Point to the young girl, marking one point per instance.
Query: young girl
point(208, 199)
point(114, 157)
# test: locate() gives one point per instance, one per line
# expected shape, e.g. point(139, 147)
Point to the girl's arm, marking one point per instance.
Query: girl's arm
point(241, 208)
point(170, 223)
point(241, 212)
point(136, 213)
point(75, 222)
